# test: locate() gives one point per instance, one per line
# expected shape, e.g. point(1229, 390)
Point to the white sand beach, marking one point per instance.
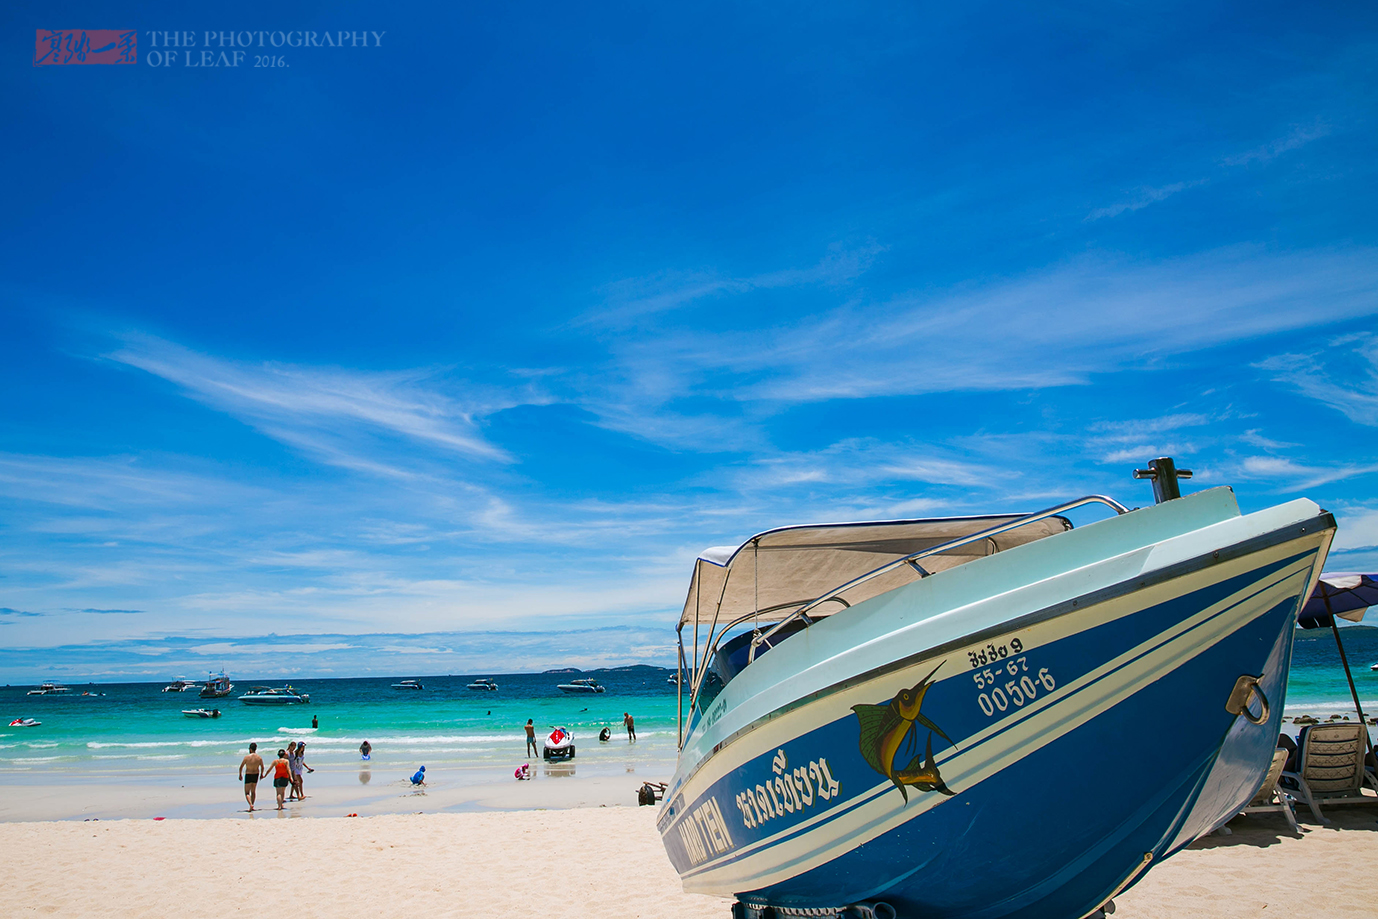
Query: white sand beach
point(581, 862)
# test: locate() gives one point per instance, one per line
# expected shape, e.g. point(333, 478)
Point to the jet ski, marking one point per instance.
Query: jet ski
point(24, 723)
point(560, 744)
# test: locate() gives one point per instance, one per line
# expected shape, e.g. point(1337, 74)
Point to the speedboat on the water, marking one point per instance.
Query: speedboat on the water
point(483, 684)
point(407, 684)
point(217, 687)
point(201, 712)
point(981, 716)
point(48, 689)
point(262, 695)
point(580, 686)
point(560, 744)
point(24, 723)
point(181, 685)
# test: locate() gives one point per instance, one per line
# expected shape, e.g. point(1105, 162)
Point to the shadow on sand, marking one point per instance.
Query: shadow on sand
point(1264, 830)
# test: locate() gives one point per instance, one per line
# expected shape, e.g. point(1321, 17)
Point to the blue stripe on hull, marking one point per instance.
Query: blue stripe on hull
point(1054, 833)
point(1051, 834)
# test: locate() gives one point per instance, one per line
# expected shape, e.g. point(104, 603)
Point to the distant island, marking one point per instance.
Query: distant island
point(629, 668)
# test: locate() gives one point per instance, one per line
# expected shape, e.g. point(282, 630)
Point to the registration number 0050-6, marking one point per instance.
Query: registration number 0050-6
point(1010, 684)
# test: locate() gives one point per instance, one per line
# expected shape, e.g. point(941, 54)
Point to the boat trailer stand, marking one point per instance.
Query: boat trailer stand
point(871, 910)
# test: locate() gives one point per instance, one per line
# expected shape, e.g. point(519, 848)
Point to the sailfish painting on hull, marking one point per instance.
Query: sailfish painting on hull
point(884, 729)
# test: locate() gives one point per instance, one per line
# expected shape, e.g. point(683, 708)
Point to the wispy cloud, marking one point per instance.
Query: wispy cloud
point(1344, 376)
point(1357, 529)
point(324, 411)
point(327, 654)
point(1298, 476)
point(1141, 198)
point(634, 299)
point(1298, 136)
point(1048, 329)
point(1134, 441)
point(104, 612)
point(857, 464)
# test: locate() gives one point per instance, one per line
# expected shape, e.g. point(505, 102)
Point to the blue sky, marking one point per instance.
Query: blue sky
point(491, 326)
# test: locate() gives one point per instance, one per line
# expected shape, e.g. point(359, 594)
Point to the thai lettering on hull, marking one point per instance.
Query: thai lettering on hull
point(790, 791)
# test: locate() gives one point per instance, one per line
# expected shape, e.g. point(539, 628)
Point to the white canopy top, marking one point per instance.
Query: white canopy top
point(780, 570)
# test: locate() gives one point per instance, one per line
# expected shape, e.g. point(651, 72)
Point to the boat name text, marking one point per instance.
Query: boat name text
point(789, 792)
point(704, 832)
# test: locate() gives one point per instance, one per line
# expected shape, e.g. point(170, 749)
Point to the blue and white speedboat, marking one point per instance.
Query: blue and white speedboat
point(980, 717)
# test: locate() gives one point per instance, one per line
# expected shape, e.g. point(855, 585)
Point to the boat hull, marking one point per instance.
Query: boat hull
point(1091, 741)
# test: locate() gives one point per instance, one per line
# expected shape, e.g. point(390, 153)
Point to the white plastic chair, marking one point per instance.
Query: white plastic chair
point(1330, 767)
point(1270, 798)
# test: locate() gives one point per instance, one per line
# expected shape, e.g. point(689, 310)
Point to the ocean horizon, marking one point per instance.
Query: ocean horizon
point(132, 732)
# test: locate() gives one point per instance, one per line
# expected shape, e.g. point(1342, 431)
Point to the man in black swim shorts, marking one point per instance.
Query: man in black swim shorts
point(250, 771)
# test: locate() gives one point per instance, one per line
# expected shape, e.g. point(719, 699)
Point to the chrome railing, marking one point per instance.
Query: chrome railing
point(912, 560)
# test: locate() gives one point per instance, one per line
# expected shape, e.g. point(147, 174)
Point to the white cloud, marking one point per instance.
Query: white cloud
point(223, 648)
point(1052, 328)
point(1298, 476)
point(1345, 377)
point(324, 411)
point(1142, 198)
point(1299, 136)
point(635, 299)
point(1357, 529)
point(854, 465)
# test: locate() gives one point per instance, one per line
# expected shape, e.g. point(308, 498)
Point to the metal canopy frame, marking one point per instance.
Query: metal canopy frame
point(699, 668)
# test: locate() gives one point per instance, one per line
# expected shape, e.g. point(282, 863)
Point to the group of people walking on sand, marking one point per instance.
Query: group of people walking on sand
point(287, 772)
point(288, 768)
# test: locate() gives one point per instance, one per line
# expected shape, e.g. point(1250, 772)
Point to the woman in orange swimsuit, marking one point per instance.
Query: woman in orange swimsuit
point(282, 775)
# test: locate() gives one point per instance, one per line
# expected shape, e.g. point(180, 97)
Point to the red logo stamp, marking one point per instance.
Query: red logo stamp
point(85, 46)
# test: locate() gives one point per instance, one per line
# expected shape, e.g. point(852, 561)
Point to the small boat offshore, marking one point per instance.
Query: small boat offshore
point(217, 687)
point(981, 717)
point(581, 686)
point(263, 695)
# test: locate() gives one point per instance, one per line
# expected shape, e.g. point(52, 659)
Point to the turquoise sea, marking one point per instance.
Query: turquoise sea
point(1317, 684)
point(133, 731)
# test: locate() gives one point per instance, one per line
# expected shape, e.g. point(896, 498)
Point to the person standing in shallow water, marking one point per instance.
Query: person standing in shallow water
point(292, 766)
point(631, 726)
point(250, 771)
point(531, 739)
point(298, 767)
point(282, 776)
